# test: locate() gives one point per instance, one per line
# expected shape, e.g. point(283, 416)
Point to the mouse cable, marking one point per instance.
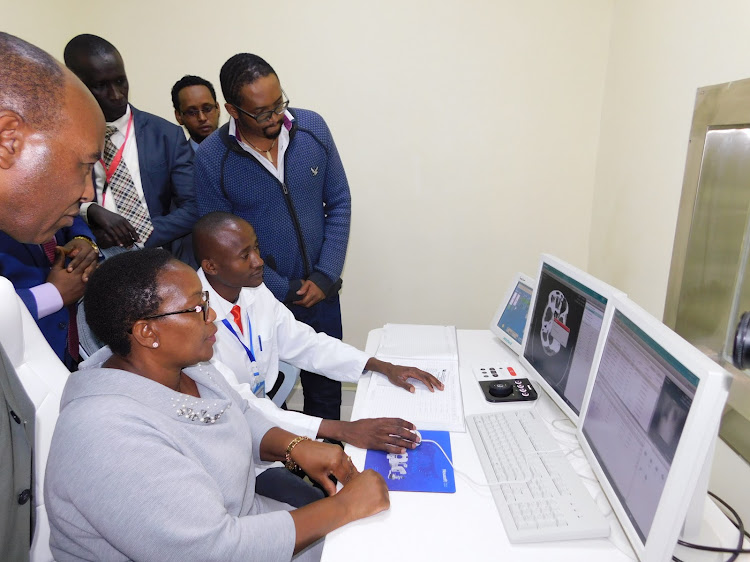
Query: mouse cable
point(735, 552)
point(558, 425)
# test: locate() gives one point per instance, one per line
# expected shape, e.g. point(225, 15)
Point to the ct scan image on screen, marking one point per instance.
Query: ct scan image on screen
point(563, 333)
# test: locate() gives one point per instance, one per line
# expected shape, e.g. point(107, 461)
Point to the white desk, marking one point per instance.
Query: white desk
point(426, 526)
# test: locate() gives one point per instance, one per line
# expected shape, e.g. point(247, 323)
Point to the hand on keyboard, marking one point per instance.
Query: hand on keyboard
point(399, 375)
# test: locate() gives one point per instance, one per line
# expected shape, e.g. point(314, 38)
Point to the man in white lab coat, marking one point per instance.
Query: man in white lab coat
point(255, 331)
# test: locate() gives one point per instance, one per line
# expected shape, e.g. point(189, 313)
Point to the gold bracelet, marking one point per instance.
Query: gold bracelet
point(89, 240)
point(289, 463)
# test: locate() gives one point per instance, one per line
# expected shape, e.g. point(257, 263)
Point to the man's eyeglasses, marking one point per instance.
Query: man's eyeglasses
point(205, 307)
point(266, 115)
point(205, 110)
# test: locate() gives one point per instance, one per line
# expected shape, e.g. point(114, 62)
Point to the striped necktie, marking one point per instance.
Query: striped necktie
point(127, 200)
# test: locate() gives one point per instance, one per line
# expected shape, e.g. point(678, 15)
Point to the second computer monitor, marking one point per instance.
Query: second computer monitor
point(563, 331)
point(649, 427)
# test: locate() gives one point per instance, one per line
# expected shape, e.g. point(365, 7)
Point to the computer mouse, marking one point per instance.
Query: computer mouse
point(501, 389)
point(419, 436)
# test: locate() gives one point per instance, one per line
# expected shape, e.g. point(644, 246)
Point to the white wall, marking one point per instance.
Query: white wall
point(468, 129)
point(433, 193)
point(661, 53)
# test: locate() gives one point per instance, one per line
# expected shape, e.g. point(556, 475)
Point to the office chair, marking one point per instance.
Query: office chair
point(288, 375)
point(43, 376)
point(87, 341)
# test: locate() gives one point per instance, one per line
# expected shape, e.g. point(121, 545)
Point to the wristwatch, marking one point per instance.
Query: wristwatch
point(90, 241)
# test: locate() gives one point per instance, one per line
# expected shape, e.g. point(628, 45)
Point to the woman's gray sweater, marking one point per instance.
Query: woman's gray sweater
point(138, 471)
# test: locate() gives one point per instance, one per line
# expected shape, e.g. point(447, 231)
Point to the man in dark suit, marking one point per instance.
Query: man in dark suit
point(144, 183)
point(48, 286)
point(51, 134)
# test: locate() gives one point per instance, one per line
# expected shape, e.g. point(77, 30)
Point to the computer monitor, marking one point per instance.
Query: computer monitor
point(563, 331)
point(509, 321)
point(649, 427)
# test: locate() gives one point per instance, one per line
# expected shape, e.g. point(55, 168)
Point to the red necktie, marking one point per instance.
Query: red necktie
point(237, 315)
point(49, 250)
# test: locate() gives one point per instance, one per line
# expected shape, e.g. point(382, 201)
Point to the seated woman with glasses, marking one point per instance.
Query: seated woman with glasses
point(152, 457)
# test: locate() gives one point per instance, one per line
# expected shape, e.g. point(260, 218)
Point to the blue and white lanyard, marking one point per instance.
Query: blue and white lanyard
point(259, 389)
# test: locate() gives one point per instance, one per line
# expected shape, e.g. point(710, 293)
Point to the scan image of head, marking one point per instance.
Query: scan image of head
point(556, 309)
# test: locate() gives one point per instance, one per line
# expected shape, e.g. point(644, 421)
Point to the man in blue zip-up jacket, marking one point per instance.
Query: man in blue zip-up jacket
point(278, 168)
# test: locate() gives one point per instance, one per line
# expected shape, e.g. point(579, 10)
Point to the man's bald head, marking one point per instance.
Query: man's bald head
point(51, 135)
point(31, 82)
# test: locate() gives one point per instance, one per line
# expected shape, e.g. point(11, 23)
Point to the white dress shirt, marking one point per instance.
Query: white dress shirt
point(283, 142)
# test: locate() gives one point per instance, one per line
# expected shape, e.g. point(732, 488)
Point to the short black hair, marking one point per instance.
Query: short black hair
point(86, 45)
point(189, 80)
point(241, 69)
point(32, 82)
point(122, 290)
point(205, 227)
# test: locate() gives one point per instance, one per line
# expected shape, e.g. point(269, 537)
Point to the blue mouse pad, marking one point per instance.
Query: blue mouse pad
point(424, 469)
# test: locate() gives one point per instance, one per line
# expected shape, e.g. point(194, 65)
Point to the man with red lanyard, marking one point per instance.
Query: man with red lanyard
point(144, 181)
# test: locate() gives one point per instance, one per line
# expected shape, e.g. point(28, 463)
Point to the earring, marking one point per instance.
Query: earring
point(155, 344)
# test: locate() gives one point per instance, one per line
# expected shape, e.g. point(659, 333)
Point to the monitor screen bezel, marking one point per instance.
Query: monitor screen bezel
point(698, 436)
point(499, 332)
point(595, 285)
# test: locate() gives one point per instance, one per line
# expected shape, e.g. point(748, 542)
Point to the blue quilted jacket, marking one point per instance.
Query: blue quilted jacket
point(303, 223)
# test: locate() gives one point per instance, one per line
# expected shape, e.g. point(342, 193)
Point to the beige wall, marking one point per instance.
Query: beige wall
point(661, 52)
point(468, 129)
point(449, 202)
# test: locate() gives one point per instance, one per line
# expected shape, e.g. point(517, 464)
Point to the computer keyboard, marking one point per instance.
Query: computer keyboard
point(537, 492)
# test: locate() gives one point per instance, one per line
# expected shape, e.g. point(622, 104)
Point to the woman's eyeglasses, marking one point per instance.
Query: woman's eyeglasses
point(200, 308)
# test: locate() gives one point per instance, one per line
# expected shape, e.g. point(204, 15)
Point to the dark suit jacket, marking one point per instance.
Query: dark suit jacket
point(166, 163)
point(17, 422)
point(26, 266)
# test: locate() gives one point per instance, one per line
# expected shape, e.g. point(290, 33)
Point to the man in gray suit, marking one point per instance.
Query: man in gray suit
point(51, 135)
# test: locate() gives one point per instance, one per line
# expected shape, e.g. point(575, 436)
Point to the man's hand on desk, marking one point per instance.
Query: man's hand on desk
point(392, 435)
point(399, 375)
